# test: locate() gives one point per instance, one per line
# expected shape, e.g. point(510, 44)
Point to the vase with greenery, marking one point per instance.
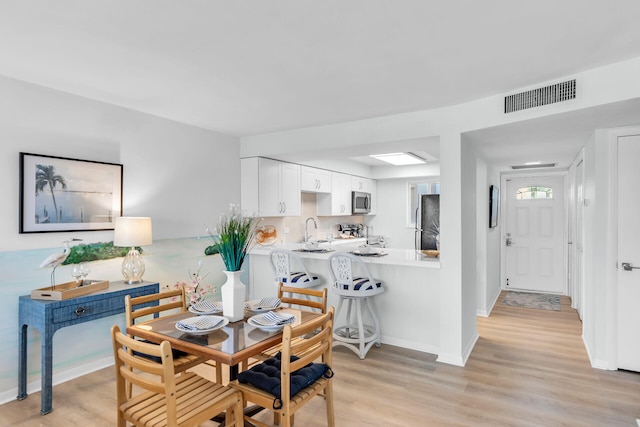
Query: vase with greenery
point(233, 238)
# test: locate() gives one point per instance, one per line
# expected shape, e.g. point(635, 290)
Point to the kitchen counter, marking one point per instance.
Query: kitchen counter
point(409, 309)
point(406, 257)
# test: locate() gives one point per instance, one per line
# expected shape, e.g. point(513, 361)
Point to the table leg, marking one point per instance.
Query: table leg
point(22, 362)
point(47, 371)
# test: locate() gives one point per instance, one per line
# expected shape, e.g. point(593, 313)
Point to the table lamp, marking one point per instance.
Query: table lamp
point(132, 232)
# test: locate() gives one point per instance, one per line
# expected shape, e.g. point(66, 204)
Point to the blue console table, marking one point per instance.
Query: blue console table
point(49, 316)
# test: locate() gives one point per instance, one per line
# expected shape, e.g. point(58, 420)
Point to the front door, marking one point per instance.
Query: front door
point(628, 253)
point(535, 220)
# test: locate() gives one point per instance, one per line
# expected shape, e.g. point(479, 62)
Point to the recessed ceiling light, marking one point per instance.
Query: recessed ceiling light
point(532, 163)
point(400, 159)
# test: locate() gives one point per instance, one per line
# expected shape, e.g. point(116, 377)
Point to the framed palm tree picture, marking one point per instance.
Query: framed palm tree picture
point(62, 194)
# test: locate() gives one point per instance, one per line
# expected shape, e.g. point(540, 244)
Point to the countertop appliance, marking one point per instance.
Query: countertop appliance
point(360, 202)
point(351, 230)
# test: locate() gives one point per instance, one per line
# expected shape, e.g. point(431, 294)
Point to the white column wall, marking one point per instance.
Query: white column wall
point(451, 249)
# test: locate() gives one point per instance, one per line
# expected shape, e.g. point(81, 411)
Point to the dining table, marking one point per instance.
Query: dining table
point(230, 344)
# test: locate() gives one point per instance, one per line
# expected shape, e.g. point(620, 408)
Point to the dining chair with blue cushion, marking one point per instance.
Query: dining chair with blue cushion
point(299, 372)
point(354, 284)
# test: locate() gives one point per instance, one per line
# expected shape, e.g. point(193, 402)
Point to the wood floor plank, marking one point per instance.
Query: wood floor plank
point(529, 368)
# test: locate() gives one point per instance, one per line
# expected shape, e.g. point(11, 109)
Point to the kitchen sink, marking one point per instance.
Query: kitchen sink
point(315, 250)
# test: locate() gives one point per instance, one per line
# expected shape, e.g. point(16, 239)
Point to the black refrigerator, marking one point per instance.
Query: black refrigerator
point(427, 221)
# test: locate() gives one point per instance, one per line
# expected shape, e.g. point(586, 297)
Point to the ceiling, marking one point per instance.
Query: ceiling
point(253, 66)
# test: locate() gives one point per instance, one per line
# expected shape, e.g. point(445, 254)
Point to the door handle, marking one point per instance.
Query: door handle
point(509, 242)
point(627, 266)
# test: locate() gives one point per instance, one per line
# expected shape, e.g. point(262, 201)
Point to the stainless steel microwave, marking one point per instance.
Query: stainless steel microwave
point(360, 202)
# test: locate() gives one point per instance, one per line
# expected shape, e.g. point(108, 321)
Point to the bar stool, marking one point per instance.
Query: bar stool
point(358, 290)
point(281, 264)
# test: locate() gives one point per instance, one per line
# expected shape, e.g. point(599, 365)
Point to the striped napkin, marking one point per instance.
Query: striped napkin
point(273, 318)
point(207, 306)
point(199, 323)
point(263, 304)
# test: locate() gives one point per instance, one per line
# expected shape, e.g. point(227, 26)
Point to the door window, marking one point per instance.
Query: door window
point(534, 192)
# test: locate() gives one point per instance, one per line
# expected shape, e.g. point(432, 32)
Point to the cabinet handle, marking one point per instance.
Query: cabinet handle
point(80, 311)
point(284, 207)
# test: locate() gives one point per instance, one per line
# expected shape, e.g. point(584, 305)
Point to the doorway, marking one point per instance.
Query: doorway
point(535, 233)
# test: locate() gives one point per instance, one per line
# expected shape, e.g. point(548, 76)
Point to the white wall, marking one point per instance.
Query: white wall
point(469, 212)
point(181, 176)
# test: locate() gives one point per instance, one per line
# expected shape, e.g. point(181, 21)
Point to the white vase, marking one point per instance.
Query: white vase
point(233, 293)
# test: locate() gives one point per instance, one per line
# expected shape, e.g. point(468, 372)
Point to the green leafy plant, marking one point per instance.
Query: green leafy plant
point(233, 237)
point(94, 252)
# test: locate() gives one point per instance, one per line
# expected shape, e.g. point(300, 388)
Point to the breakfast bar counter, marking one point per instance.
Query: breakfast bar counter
point(409, 309)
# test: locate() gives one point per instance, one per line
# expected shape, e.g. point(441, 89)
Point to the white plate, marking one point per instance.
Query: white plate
point(255, 321)
point(255, 307)
point(206, 307)
point(203, 321)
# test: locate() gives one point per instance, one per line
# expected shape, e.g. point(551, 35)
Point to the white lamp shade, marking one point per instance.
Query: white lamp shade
point(132, 231)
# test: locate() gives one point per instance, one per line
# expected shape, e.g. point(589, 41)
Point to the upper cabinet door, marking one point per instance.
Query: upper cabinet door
point(270, 188)
point(315, 180)
point(290, 189)
point(359, 183)
point(338, 202)
point(269, 201)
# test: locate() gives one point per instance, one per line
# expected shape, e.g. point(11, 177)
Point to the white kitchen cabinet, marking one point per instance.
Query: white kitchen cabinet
point(269, 187)
point(338, 202)
point(359, 183)
point(315, 180)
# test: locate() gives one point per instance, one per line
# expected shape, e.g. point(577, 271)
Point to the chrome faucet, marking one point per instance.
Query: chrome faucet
point(306, 228)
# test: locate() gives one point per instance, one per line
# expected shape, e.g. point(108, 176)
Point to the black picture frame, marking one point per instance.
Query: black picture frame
point(494, 206)
point(60, 194)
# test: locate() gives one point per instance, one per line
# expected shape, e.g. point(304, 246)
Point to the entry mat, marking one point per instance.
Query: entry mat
point(532, 300)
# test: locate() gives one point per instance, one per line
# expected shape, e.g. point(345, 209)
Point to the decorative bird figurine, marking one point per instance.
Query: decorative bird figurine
point(56, 259)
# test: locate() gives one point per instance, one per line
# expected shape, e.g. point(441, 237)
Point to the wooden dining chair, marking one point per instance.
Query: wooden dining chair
point(163, 398)
point(300, 377)
point(314, 299)
point(164, 303)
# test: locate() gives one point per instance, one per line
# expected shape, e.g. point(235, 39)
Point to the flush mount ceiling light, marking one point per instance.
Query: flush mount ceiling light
point(534, 165)
point(400, 159)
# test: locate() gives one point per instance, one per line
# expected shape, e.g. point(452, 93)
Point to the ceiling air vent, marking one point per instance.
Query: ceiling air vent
point(542, 96)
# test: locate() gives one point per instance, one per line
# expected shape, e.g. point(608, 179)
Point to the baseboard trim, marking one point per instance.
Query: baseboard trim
point(411, 345)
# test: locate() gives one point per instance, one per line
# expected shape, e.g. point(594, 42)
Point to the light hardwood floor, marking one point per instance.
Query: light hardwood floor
point(529, 368)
